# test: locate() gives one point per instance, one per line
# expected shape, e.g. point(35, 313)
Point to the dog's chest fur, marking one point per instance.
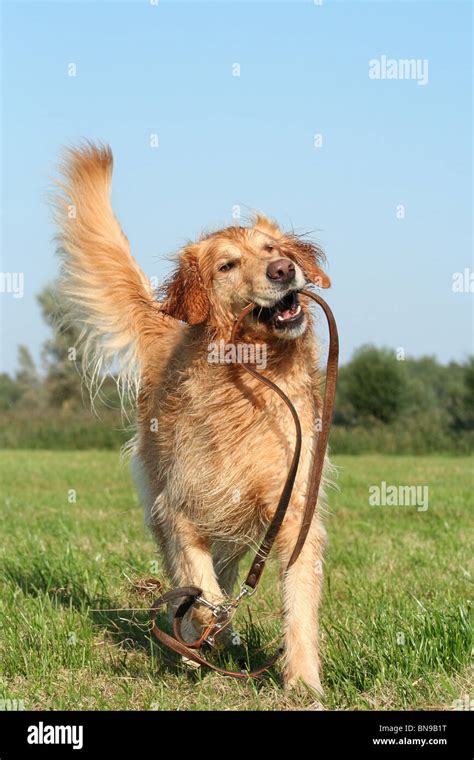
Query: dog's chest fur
point(217, 444)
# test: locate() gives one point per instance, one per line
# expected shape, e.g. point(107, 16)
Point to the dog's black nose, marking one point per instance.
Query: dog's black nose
point(281, 270)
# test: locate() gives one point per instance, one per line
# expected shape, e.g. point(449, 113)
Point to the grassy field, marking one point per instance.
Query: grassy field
point(74, 634)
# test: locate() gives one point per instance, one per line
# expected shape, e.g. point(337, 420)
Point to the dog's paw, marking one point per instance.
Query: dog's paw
point(304, 682)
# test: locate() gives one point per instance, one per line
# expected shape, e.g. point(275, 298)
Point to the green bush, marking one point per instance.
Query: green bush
point(60, 430)
point(418, 437)
point(376, 384)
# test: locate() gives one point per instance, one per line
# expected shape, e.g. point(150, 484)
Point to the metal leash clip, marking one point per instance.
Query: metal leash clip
point(244, 591)
point(224, 609)
point(218, 610)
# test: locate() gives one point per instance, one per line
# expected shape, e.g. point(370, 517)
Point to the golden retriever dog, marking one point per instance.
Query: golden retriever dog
point(213, 444)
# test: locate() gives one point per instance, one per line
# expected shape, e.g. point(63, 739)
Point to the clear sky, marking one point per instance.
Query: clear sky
point(249, 140)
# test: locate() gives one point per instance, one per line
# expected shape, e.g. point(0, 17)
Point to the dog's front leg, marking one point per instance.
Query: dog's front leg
point(226, 561)
point(189, 562)
point(302, 585)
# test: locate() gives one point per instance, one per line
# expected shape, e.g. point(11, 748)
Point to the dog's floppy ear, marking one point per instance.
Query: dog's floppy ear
point(309, 257)
point(185, 296)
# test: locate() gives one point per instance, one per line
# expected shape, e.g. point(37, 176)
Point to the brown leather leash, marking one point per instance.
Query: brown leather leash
point(224, 612)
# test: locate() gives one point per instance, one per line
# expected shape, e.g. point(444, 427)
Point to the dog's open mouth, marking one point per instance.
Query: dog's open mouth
point(285, 314)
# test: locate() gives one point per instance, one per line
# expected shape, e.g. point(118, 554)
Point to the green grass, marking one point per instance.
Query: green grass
point(395, 631)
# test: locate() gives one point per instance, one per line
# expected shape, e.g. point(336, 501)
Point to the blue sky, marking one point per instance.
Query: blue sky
point(166, 69)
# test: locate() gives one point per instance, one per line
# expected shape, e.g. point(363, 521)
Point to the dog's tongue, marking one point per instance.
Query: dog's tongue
point(287, 309)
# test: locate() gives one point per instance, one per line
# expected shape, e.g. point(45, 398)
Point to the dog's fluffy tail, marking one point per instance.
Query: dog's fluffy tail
point(107, 294)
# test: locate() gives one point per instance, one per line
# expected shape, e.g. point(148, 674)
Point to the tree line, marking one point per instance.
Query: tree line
point(385, 402)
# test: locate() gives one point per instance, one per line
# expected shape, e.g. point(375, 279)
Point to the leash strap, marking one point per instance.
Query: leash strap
point(322, 436)
point(191, 594)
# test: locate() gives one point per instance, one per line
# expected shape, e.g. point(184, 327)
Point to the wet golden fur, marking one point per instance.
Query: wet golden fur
point(213, 445)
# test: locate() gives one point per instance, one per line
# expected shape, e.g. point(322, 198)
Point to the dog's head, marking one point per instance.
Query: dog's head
point(221, 274)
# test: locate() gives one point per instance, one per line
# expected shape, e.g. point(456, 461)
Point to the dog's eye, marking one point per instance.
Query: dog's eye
point(226, 267)
point(269, 248)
